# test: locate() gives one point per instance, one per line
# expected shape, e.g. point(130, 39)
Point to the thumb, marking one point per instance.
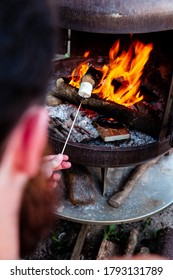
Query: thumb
point(50, 165)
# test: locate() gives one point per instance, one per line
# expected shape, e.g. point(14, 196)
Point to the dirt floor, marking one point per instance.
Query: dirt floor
point(153, 234)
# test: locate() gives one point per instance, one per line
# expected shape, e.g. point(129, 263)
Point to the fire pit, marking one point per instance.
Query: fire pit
point(116, 16)
point(151, 115)
point(120, 161)
point(106, 155)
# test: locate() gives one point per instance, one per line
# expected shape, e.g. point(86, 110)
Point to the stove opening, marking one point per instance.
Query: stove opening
point(134, 91)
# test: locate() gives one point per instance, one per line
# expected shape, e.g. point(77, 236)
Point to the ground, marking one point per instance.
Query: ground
point(60, 243)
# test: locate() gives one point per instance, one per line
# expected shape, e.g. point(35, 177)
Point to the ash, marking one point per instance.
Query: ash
point(62, 112)
point(61, 119)
point(62, 116)
point(137, 138)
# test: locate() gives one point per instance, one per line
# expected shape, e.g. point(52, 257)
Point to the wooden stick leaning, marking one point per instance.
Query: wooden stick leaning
point(119, 197)
point(79, 242)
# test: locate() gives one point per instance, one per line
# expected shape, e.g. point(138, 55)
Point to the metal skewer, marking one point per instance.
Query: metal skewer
point(65, 144)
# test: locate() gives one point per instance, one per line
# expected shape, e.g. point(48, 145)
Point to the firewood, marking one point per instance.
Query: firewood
point(80, 184)
point(61, 118)
point(147, 122)
point(132, 242)
point(109, 134)
point(52, 100)
point(53, 130)
point(79, 242)
point(144, 251)
point(119, 197)
point(107, 249)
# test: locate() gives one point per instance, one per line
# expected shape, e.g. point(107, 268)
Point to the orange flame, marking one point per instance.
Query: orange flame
point(86, 54)
point(125, 68)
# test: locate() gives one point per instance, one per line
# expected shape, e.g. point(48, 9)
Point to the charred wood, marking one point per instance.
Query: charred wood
point(83, 129)
point(147, 123)
point(56, 132)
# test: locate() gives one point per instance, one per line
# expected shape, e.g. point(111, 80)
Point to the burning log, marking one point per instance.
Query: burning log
point(119, 197)
point(148, 123)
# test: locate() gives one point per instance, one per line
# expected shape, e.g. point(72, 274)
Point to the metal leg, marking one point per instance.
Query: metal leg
point(104, 171)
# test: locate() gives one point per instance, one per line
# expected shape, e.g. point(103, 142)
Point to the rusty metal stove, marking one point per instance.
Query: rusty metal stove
point(116, 16)
point(89, 23)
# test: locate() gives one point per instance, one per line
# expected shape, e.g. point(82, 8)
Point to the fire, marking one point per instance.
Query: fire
point(86, 54)
point(124, 70)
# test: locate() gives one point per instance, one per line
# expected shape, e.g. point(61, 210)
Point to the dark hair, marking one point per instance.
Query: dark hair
point(26, 49)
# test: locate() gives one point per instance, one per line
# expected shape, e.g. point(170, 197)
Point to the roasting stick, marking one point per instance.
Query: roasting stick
point(65, 144)
point(85, 90)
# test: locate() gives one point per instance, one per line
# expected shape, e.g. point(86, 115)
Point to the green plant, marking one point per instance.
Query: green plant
point(56, 241)
point(116, 233)
point(111, 231)
point(146, 223)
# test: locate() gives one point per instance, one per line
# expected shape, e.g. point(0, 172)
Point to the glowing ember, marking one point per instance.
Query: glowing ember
point(86, 54)
point(124, 68)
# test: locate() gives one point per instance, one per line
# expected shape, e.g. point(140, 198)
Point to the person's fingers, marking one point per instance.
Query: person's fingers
point(53, 163)
point(56, 161)
point(56, 176)
point(49, 157)
point(52, 181)
point(57, 157)
point(50, 164)
point(60, 162)
point(65, 165)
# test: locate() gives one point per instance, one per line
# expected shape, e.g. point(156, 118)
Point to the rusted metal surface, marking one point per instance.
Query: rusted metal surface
point(151, 194)
point(100, 156)
point(116, 16)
